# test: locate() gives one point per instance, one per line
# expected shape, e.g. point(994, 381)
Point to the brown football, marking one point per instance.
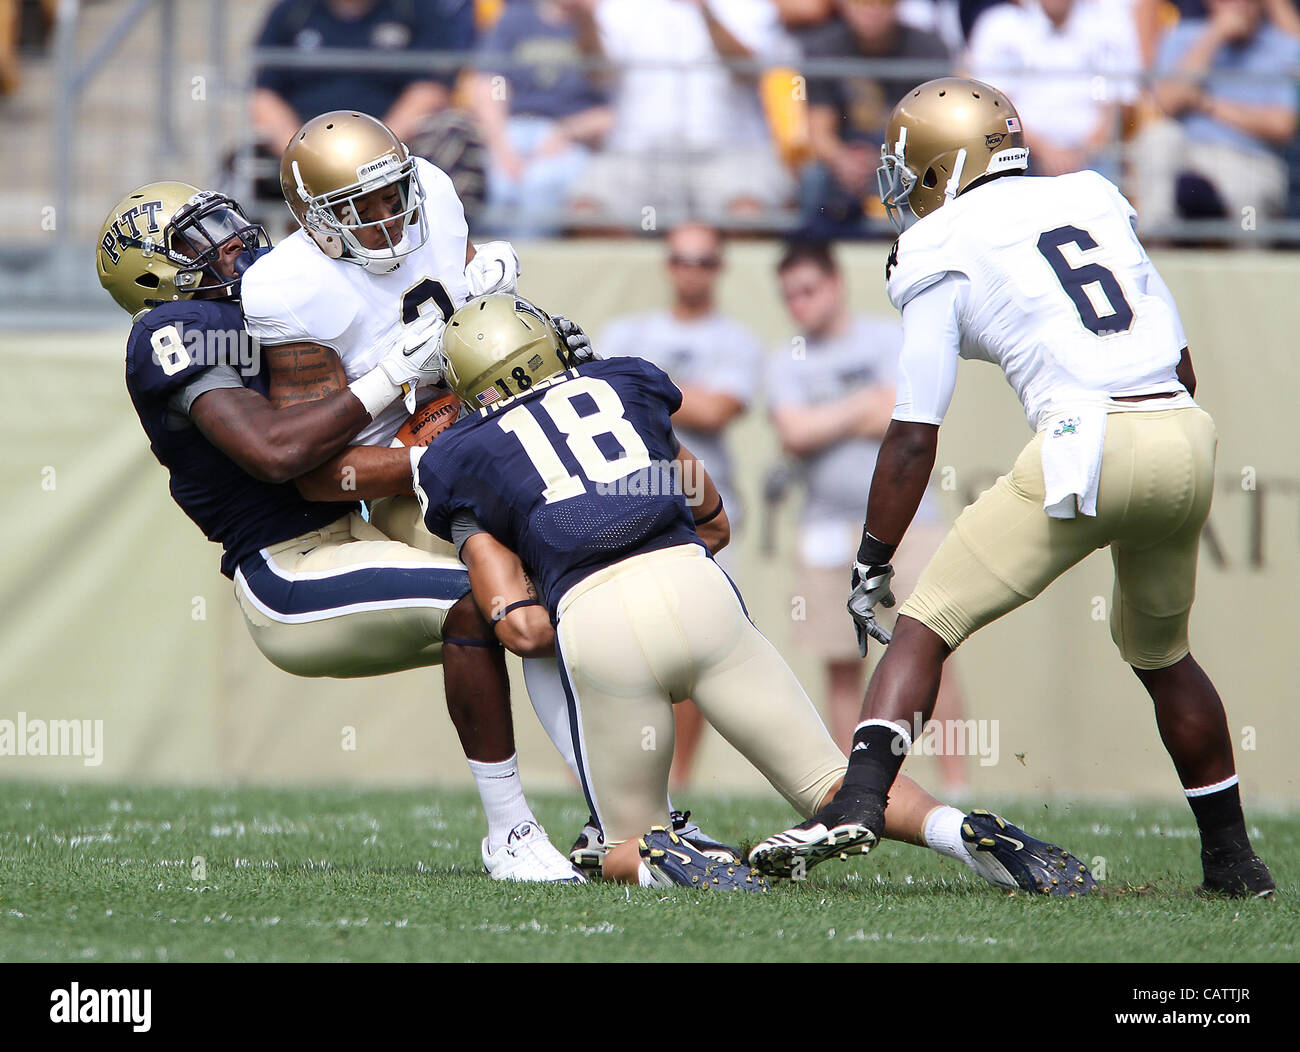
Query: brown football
point(429, 420)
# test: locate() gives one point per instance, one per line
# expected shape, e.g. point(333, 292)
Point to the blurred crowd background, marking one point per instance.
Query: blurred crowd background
point(558, 117)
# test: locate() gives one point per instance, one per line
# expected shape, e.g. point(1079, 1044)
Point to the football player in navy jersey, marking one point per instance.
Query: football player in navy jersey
point(172, 256)
point(578, 471)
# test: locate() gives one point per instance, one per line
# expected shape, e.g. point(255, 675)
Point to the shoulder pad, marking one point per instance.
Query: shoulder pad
point(920, 257)
point(1109, 190)
point(294, 293)
point(175, 342)
point(647, 374)
point(446, 210)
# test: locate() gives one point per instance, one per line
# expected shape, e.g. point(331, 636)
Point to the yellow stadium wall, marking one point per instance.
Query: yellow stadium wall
point(112, 608)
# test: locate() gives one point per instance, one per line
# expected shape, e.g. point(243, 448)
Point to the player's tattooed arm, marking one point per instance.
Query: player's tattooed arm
point(704, 501)
point(498, 581)
point(303, 372)
point(277, 445)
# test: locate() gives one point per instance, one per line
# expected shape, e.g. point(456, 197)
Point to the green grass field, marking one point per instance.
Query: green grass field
point(125, 874)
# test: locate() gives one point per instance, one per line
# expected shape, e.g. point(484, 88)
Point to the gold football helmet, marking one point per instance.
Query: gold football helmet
point(944, 136)
point(500, 345)
point(162, 242)
point(333, 161)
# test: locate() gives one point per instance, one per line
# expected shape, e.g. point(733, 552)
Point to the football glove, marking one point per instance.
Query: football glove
point(576, 342)
point(870, 585)
point(494, 268)
point(415, 359)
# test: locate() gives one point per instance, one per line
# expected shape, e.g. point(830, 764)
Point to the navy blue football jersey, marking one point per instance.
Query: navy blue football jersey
point(167, 349)
point(574, 475)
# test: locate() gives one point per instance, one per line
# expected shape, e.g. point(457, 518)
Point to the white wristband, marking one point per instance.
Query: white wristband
point(375, 391)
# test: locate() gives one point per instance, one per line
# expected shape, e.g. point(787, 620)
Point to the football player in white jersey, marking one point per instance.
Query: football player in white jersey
point(381, 260)
point(1045, 278)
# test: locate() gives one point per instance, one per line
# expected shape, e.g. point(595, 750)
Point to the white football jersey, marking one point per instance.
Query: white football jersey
point(297, 294)
point(1054, 287)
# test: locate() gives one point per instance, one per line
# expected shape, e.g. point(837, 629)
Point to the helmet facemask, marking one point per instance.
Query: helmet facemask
point(896, 181)
point(335, 221)
point(196, 236)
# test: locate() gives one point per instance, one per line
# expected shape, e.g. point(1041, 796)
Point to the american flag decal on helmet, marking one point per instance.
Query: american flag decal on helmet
point(1013, 124)
point(489, 396)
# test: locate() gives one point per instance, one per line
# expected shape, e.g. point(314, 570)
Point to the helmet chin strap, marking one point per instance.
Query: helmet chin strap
point(954, 183)
point(387, 264)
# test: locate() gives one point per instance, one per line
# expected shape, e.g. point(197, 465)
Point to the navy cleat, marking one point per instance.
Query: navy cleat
point(1236, 875)
point(673, 861)
point(1009, 857)
point(840, 829)
point(701, 841)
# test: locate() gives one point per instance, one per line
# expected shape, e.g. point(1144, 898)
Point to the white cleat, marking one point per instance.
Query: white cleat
point(529, 855)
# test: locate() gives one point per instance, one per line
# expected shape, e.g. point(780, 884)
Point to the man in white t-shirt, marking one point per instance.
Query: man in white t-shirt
point(689, 135)
point(715, 362)
point(831, 393)
point(1072, 66)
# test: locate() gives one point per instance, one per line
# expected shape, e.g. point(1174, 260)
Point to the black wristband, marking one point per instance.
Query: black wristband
point(500, 615)
point(873, 551)
point(711, 515)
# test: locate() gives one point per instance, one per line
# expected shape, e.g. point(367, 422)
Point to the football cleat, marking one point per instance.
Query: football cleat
point(1007, 856)
point(588, 852)
point(840, 829)
point(529, 855)
point(674, 861)
point(1240, 875)
point(701, 841)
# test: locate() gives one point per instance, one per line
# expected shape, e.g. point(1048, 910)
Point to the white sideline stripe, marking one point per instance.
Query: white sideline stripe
point(338, 611)
point(1206, 790)
point(445, 563)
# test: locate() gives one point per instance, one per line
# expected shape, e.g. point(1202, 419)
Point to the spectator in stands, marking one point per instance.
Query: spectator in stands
point(799, 14)
point(831, 396)
point(689, 134)
point(284, 98)
point(847, 115)
point(716, 363)
point(1071, 71)
point(540, 112)
point(1218, 152)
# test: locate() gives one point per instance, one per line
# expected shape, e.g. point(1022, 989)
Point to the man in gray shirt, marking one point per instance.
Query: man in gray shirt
point(715, 361)
point(831, 396)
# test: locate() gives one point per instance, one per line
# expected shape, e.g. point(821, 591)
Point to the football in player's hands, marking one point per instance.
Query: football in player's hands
point(429, 421)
